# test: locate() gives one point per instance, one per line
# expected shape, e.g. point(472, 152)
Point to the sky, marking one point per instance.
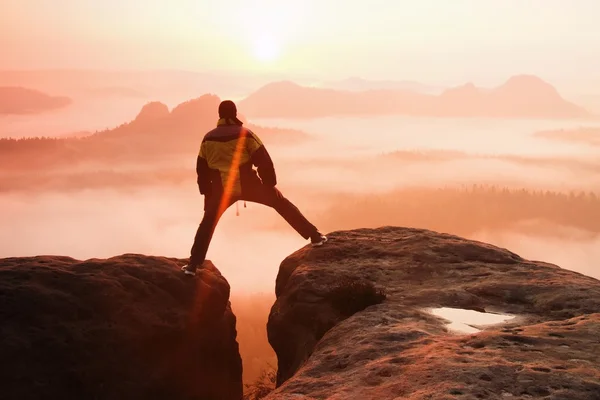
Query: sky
point(434, 41)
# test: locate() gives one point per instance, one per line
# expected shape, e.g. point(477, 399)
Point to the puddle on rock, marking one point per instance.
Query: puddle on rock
point(464, 321)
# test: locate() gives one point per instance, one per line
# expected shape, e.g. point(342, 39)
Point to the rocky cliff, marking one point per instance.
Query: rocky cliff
point(129, 327)
point(355, 320)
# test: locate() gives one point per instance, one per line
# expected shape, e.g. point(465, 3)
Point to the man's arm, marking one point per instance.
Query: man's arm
point(204, 183)
point(261, 159)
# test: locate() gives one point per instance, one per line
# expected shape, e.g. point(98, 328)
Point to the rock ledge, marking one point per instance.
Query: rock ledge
point(129, 327)
point(398, 350)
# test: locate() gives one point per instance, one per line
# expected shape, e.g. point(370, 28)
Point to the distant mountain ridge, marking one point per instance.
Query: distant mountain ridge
point(155, 133)
point(523, 96)
point(357, 84)
point(20, 100)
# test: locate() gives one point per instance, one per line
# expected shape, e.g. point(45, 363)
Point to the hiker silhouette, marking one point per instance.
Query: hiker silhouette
point(226, 175)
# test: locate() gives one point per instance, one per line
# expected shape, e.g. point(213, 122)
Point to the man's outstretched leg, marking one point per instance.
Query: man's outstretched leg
point(272, 197)
point(212, 213)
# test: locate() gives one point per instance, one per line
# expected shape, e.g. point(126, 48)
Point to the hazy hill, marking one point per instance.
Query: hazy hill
point(20, 100)
point(155, 133)
point(520, 97)
point(360, 85)
point(288, 100)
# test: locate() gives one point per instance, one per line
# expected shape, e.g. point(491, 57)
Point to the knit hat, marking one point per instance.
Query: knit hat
point(227, 109)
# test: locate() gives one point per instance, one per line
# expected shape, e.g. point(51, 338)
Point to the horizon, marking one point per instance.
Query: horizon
point(307, 80)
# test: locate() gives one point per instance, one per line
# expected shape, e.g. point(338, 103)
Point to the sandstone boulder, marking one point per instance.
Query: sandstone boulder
point(337, 337)
point(129, 327)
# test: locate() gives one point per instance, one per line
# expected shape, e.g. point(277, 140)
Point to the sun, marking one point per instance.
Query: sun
point(266, 49)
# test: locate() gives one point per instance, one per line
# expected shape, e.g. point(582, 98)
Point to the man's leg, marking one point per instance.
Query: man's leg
point(212, 213)
point(272, 197)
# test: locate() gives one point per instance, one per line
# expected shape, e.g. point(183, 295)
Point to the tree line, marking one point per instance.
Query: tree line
point(468, 209)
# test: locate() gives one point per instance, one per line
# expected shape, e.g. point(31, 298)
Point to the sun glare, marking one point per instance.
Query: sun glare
point(266, 49)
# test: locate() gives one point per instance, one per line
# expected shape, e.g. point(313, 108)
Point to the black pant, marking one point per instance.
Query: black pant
point(215, 206)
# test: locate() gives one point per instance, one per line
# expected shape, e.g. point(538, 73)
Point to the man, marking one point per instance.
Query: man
point(226, 175)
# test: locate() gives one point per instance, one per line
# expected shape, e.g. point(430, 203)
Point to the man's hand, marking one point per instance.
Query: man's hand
point(203, 173)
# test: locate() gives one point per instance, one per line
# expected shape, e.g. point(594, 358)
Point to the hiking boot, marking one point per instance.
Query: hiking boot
point(318, 239)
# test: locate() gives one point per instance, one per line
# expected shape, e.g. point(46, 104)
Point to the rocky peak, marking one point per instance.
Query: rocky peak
point(355, 319)
point(528, 83)
point(152, 111)
point(129, 327)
